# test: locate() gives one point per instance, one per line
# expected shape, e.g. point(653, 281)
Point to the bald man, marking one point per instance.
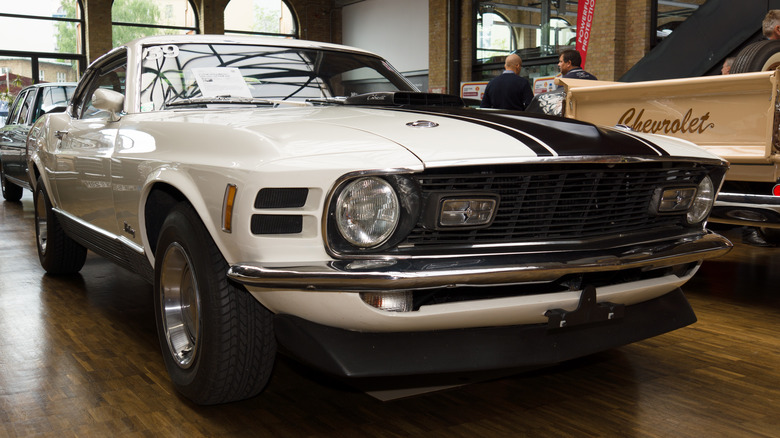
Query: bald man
point(508, 90)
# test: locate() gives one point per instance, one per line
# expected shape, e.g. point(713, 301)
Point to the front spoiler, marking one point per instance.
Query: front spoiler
point(476, 270)
point(364, 355)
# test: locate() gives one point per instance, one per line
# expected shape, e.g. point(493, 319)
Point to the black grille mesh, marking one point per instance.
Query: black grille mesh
point(560, 202)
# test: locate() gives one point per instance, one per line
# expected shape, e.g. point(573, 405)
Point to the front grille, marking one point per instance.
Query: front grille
point(543, 204)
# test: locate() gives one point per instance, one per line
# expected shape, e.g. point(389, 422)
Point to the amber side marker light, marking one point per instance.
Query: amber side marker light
point(227, 208)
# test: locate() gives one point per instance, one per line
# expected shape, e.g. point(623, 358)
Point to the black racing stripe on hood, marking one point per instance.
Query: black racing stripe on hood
point(566, 137)
point(537, 147)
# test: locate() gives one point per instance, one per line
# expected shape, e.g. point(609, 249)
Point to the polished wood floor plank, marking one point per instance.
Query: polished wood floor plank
point(79, 358)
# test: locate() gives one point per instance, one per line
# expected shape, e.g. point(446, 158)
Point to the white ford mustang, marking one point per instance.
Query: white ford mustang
point(306, 195)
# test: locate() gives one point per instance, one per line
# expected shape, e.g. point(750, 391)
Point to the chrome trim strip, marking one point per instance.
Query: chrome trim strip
point(99, 231)
point(726, 202)
point(765, 201)
point(425, 273)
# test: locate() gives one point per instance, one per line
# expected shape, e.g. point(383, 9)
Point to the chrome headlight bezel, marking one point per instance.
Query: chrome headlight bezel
point(367, 212)
point(702, 203)
point(339, 241)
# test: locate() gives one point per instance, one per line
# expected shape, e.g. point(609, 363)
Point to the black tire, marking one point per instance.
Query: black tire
point(58, 253)
point(771, 235)
point(11, 192)
point(217, 340)
point(759, 56)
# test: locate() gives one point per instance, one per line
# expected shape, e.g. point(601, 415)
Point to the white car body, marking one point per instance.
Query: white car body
point(110, 180)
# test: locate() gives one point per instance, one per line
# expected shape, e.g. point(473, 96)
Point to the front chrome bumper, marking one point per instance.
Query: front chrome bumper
point(747, 209)
point(475, 270)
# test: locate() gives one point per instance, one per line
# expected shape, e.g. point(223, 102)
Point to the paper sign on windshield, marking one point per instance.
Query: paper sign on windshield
point(221, 81)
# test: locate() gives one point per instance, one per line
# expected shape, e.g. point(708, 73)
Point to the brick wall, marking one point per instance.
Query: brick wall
point(437, 44)
point(620, 37)
point(620, 32)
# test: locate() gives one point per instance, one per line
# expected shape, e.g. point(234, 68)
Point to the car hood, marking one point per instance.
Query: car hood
point(441, 136)
point(448, 134)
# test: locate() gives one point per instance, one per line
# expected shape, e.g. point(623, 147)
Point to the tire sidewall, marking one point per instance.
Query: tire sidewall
point(179, 228)
point(48, 214)
point(759, 56)
point(11, 192)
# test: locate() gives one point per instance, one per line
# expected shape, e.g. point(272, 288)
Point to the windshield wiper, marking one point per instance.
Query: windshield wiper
point(219, 100)
point(327, 100)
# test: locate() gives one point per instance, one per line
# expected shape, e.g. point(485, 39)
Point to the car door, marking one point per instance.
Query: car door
point(83, 177)
point(14, 134)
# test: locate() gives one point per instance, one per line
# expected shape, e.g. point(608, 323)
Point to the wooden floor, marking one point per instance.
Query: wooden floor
point(79, 357)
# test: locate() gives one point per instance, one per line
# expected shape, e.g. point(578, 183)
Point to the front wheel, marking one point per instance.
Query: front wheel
point(216, 339)
point(11, 192)
point(58, 253)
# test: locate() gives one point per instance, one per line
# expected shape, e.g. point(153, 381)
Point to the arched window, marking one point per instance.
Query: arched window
point(133, 19)
point(561, 33)
point(261, 17)
point(495, 37)
point(40, 41)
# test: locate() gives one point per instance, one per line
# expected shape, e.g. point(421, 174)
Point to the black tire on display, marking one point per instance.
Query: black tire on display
point(11, 192)
point(771, 235)
point(58, 253)
point(759, 56)
point(217, 340)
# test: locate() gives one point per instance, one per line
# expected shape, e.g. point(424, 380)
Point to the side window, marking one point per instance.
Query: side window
point(110, 75)
point(13, 115)
point(113, 79)
point(26, 112)
point(53, 97)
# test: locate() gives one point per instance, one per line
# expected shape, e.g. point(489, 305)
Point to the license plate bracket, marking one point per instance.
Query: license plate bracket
point(588, 311)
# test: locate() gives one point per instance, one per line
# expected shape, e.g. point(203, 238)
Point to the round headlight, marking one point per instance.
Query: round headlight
point(367, 212)
point(702, 204)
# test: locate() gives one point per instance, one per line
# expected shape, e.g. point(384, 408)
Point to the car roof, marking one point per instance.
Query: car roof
point(51, 84)
point(241, 39)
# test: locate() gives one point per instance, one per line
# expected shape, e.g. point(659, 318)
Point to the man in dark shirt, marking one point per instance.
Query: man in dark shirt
point(508, 90)
point(569, 64)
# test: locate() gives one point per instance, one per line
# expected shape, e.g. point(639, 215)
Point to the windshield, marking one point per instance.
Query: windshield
point(233, 73)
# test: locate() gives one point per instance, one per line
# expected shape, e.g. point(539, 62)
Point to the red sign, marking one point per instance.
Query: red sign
point(584, 22)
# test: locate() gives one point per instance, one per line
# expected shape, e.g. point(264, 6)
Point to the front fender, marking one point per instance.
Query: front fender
point(179, 186)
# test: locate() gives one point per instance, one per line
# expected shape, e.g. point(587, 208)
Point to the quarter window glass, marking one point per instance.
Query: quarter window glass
point(26, 111)
point(14, 114)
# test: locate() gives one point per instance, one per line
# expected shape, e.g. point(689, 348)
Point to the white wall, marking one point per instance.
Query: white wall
point(396, 30)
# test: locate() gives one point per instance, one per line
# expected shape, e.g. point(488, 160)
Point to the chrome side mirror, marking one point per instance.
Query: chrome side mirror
point(109, 100)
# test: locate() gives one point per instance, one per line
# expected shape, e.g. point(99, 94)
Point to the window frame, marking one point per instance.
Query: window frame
point(80, 57)
point(27, 108)
point(294, 35)
point(82, 97)
point(13, 112)
point(195, 29)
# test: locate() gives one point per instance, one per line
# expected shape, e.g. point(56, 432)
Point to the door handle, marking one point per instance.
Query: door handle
point(60, 134)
